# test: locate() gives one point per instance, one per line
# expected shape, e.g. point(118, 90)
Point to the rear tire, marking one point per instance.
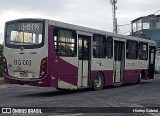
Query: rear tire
point(98, 82)
point(139, 79)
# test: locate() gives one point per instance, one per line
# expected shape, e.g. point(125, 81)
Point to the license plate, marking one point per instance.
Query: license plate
point(23, 75)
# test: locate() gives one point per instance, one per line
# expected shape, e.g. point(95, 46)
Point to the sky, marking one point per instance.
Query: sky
point(95, 14)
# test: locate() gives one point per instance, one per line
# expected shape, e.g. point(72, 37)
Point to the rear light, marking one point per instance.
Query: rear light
point(5, 69)
point(43, 67)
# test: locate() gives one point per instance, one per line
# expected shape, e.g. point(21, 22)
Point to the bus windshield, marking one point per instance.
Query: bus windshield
point(27, 34)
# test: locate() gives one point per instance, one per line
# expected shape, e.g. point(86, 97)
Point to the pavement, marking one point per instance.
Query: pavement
point(146, 94)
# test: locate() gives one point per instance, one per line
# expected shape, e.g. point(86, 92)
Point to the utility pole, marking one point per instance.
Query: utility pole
point(114, 8)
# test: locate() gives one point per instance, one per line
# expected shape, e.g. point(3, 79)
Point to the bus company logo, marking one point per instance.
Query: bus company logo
point(6, 110)
point(99, 63)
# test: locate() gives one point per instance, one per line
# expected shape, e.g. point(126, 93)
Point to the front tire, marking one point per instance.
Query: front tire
point(98, 82)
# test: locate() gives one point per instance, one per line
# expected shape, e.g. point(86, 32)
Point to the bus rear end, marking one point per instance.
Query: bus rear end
point(25, 55)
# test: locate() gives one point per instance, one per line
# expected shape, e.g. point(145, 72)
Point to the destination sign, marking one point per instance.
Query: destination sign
point(29, 26)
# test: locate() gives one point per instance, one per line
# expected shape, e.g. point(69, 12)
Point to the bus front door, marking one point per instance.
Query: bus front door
point(152, 52)
point(119, 58)
point(84, 60)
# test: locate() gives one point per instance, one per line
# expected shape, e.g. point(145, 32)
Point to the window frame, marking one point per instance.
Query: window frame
point(129, 50)
point(99, 46)
point(140, 50)
point(58, 41)
point(111, 46)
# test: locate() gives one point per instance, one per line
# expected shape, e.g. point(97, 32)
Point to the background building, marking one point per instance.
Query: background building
point(148, 27)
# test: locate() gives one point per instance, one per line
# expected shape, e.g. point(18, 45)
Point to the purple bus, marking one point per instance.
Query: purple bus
point(48, 53)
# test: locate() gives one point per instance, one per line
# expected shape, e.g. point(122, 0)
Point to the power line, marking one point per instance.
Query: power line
point(124, 24)
point(126, 32)
point(157, 11)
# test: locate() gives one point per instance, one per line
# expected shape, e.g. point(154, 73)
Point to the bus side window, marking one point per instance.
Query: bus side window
point(99, 43)
point(109, 47)
point(131, 49)
point(67, 43)
point(143, 51)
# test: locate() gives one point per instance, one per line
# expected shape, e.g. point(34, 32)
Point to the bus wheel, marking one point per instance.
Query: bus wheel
point(98, 82)
point(139, 78)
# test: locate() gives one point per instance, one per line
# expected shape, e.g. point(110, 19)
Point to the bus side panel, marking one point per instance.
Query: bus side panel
point(67, 72)
point(131, 76)
point(108, 77)
point(52, 64)
point(105, 66)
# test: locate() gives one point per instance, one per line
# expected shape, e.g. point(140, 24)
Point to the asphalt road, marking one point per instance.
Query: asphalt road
point(146, 94)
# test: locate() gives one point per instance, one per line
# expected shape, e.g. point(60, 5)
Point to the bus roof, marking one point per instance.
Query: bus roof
point(95, 31)
point(85, 29)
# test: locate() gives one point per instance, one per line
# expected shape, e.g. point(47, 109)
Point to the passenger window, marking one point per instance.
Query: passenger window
point(65, 43)
point(99, 43)
point(131, 49)
point(143, 51)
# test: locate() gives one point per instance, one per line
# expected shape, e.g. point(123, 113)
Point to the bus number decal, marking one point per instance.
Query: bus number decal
point(130, 64)
point(23, 62)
